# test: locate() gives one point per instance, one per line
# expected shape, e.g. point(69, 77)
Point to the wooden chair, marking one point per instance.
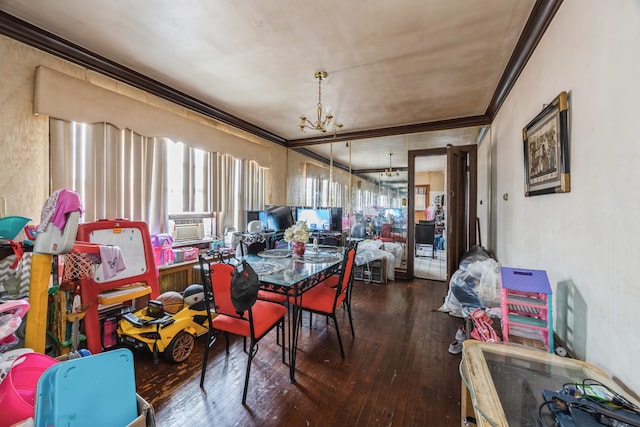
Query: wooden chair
point(253, 323)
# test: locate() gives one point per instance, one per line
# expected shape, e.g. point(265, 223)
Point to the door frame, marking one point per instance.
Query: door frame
point(468, 177)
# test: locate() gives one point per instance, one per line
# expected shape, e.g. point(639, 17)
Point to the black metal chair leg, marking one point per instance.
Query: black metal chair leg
point(252, 352)
point(205, 358)
point(353, 334)
point(335, 322)
point(282, 326)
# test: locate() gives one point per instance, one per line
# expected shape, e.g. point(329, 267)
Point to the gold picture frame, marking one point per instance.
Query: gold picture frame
point(546, 150)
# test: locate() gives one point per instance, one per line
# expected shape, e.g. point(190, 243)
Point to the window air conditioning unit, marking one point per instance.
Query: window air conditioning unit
point(188, 232)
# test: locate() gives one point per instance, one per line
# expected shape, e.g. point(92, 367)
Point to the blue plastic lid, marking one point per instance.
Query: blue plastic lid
point(97, 391)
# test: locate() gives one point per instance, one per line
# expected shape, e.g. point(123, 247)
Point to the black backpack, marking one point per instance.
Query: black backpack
point(244, 287)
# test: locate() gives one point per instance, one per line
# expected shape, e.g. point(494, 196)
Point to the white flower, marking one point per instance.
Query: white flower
point(299, 232)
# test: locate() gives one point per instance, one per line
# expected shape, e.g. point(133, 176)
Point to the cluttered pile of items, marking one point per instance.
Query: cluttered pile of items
point(39, 384)
point(500, 303)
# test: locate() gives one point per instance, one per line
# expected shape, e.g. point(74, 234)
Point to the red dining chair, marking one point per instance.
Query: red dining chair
point(333, 280)
point(385, 233)
point(325, 300)
point(253, 323)
point(266, 295)
point(274, 297)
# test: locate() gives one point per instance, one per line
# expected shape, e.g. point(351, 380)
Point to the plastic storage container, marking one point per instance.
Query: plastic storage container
point(10, 226)
point(18, 388)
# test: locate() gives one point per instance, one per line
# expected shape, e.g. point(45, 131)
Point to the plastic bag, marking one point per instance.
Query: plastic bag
point(477, 285)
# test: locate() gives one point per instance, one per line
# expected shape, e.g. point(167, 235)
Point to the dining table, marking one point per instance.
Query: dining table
point(280, 271)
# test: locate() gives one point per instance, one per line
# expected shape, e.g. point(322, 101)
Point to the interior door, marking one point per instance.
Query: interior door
point(461, 201)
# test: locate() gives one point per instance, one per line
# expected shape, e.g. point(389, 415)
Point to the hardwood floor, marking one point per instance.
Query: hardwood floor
point(397, 370)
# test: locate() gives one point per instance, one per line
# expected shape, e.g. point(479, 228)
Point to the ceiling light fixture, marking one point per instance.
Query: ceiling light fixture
point(389, 172)
point(321, 124)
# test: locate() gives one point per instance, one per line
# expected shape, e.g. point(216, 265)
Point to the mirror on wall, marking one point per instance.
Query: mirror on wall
point(368, 179)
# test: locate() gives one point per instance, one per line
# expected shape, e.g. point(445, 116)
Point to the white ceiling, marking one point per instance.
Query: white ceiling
point(390, 63)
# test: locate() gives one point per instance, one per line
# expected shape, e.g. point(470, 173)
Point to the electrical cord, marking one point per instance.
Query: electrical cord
point(618, 399)
point(544, 404)
point(599, 409)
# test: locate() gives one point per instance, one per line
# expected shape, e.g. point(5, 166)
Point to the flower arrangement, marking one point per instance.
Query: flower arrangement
point(299, 232)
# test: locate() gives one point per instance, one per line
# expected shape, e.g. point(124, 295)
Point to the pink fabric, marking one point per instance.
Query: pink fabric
point(482, 327)
point(112, 261)
point(56, 208)
point(68, 201)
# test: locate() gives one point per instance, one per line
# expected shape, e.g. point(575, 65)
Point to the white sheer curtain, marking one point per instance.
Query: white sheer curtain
point(229, 194)
point(197, 180)
point(116, 172)
point(121, 174)
point(241, 188)
point(326, 189)
point(316, 185)
point(254, 183)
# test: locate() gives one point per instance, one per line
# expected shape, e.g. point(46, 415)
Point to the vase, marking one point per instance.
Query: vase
point(299, 248)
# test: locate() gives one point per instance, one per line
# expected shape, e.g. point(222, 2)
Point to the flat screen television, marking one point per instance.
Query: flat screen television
point(279, 218)
point(318, 219)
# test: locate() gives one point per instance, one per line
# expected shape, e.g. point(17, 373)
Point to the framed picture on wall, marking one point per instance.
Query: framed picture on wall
point(546, 150)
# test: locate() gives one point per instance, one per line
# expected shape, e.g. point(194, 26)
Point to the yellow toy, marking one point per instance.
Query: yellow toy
point(155, 328)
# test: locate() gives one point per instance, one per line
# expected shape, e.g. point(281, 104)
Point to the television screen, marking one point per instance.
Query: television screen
point(318, 219)
point(279, 218)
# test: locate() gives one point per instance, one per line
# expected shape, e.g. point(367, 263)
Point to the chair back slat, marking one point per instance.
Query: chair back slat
point(347, 272)
point(205, 279)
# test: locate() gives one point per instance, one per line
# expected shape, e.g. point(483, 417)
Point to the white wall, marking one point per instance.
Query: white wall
point(587, 239)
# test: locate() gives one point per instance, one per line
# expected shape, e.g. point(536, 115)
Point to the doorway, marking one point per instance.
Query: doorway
point(459, 208)
point(430, 218)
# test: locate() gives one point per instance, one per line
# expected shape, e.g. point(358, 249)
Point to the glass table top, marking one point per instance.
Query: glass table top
point(292, 270)
point(506, 381)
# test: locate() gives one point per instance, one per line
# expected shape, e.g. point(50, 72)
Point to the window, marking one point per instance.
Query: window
point(190, 179)
point(121, 174)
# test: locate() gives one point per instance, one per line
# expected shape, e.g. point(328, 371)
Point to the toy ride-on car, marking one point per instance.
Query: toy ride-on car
point(169, 324)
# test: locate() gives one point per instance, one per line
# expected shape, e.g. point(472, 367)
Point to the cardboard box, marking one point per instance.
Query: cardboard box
point(146, 415)
point(190, 254)
point(178, 255)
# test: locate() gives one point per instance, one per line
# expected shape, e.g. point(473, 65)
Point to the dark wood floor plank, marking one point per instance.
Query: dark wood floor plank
point(397, 370)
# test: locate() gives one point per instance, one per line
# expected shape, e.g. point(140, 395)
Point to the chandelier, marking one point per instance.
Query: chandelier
point(321, 124)
point(389, 172)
